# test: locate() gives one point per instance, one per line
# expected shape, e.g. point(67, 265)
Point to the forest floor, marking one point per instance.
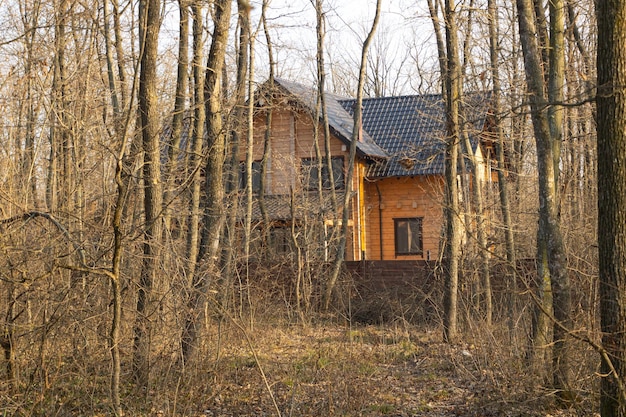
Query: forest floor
point(387, 370)
point(320, 369)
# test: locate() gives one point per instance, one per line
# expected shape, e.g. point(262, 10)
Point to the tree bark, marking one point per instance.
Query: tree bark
point(149, 21)
point(268, 130)
point(611, 129)
point(505, 206)
point(195, 161)
point(213, 216)
point(551, 259)
point(180, 102)
point(451, 208)
point(237, 121)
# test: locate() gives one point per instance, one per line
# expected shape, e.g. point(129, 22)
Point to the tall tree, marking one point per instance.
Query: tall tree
point(356, 131)
point(268, 126)
point(611, 129)
point(213, 216)
point(546, 114)
point(452, 82)
point(236, 125)
point(149, 24)
point(180, 103)
point(503, 188)
point(195, 158)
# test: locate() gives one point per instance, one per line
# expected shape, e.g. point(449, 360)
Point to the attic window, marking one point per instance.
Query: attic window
point(407, 163)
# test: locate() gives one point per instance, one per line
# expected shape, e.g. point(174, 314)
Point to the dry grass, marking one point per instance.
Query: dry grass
point(322, 369)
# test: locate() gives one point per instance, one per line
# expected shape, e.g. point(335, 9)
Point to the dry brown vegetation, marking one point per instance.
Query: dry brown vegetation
point(326, 368)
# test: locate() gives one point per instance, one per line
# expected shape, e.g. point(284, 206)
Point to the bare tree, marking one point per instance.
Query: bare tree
point(356, 131)
point(197, 138)
point(452, 82)
point(547, 123)
point(213, 216)
point(149, 24)
point(611, 129)
point(494, 50)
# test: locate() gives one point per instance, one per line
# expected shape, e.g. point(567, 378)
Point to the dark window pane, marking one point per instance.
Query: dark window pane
point(408, 234)
point(256, 176)
point(310, 173)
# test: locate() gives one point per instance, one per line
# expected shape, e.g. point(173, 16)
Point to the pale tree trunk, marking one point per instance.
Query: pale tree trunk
point(108, 44)
point(57, 175)
point(180, 102)
point(149, 22)
point(319, 99)
point(247, 231)
point(441, 45)
point(119, 51)
point(236, 127)
point(505, 206)
point(356, 131)
point(321, 110)
point(268, 129)
point(452, 81)
point(27, 178)
point(321, 91)
point(195, 161)
point(551, 260)
point(611, 128)
point(213, 216)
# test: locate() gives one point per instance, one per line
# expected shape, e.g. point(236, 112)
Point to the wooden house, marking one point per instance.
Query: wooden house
point(397, 189)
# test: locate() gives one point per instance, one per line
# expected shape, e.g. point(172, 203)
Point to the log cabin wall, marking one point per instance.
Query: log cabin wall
point(291, 141)
point(400, 198)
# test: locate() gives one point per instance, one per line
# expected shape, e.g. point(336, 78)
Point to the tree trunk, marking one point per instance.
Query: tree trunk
point(451, 209)
point(213, 217)
point(356, 131)
point(149, 18)
point(236, 123)
point(551, 260)
point(502, 179)
point(611, 128)
point(195, 160)
point(268, 130)
point(180, 102)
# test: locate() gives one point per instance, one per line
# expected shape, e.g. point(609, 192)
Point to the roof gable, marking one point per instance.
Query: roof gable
point(339, 120)
point(404, 134)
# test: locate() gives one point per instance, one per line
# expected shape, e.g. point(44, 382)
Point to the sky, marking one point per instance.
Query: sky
point(404, 35)
point(403, 26)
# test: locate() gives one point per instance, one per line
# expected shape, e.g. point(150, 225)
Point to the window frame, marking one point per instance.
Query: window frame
point(419, 221)
point(310, 173)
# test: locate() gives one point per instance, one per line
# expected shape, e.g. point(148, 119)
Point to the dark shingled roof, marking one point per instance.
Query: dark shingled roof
point(411, 129)
point(339, 120)
point(404, 135)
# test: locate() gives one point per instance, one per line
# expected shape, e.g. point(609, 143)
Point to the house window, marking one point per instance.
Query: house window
point(256, 176)
point(310, 173)
point(408, 234)
point(281, 240)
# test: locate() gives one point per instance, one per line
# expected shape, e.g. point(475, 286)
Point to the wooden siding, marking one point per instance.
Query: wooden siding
point(291, 141)
point(406, 197)
point(403, 198)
